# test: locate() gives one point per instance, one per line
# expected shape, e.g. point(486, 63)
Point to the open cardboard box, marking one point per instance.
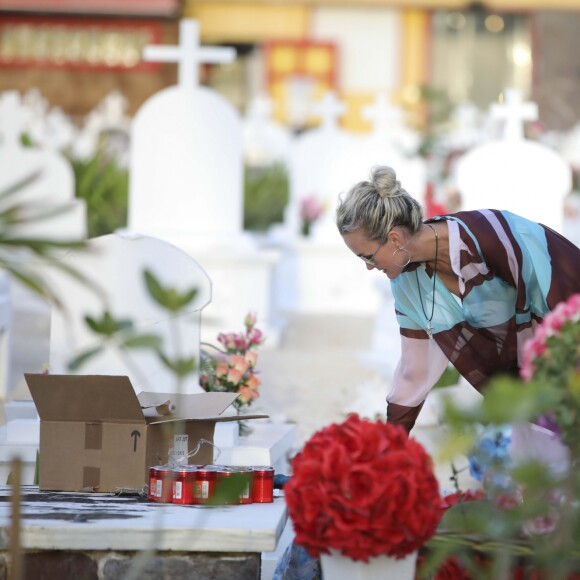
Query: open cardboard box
point(96, 434)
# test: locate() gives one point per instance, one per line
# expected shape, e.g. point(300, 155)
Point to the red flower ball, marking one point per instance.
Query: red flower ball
point(365, 489)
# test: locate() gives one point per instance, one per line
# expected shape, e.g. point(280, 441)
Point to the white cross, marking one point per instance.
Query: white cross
point(383, 116)
point(330, 109)
point(188, 54)
point(514, 112)
point(14, 117)
point(260, 108)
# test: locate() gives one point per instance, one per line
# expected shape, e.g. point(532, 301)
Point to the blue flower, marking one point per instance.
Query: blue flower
point(491, 452)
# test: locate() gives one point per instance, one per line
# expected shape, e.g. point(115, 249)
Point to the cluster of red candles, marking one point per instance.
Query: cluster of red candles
point(198, 484)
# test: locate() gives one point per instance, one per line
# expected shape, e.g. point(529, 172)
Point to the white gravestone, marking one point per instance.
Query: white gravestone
point(186, 155)
point(49, 129)
point(389, 123)
point(313, 168)
point(515, 174)
point(318, 274)
point(113, 110)
point(384, 146)
point(465, 130)
point(569, 146)
point(116, 265)
point(5, 324)
point(326, 277)
point(50, 187)
point(265, 141)
point(108, 124)
point(86, 143)
point(115, 127)
point(186, 185)
point(54, 183)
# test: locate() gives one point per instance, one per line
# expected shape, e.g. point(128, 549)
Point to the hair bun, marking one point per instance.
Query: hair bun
point(384, 180)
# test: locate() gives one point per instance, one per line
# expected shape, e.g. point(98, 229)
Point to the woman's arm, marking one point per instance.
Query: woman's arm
point(421, 365)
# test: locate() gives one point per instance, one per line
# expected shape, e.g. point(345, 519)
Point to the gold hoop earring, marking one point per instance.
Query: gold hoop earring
point(401, 266)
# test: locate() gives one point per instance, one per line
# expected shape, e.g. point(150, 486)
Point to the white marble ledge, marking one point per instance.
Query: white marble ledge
point(74, 521)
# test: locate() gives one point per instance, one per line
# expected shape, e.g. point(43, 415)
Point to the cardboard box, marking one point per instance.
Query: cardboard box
point(96, 434)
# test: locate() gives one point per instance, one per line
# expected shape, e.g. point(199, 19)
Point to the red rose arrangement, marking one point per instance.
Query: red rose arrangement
point(365, 489)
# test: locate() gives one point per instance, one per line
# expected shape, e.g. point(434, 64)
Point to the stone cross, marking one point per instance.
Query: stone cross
point(497, 174)
point(514, 112)
point(383, 116)
point(260, 108)
point(13, 117)
point(330, 108)
point(265, 141)
point(188, 54)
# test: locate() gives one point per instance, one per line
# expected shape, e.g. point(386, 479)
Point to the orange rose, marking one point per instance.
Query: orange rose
point(253, 382)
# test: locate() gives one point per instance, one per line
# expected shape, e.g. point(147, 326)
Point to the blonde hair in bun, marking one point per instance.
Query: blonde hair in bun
point(385, 182)
point(378, 205)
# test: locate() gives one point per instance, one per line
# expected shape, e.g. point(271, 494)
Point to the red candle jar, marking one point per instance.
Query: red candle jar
point(263, 489)
point(204, 484)
point(164, 491)
point(183, 484)
point(152, 489)
point(246, 493)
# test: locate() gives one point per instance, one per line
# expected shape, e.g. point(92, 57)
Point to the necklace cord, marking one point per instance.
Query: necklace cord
point(430, 318)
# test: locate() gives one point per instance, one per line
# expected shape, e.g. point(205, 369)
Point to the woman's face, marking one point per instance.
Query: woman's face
point(375, 254)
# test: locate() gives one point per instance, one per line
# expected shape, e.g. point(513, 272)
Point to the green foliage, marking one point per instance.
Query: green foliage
point(265, 196)
point(535, 519)
point(107, 325)
point(181, 367)
point(169, 298)
point(122, 335)
point(439, 108)
point(24, 257)
point(105, 188)
point(449, 378)
point(230, 488)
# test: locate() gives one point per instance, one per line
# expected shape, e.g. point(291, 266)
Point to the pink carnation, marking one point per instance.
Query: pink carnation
point(251, 357)
point(254, 382)
point(221, 370)
point(239, 363)
point(255, 337)
point(234, 376)
point(311, 208)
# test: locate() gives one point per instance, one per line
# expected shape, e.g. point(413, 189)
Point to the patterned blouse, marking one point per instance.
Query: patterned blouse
point(510, 271)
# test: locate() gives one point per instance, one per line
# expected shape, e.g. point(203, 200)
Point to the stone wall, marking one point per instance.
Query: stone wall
point(556, 75)
point(79, 92)
point(69, 565)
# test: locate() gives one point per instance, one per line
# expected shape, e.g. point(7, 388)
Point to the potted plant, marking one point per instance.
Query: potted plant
point(529, 523)
point(364, 498)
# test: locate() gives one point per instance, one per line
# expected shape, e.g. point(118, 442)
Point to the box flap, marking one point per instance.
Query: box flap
point(218, 419)
point(86, 398)
point(172, 406)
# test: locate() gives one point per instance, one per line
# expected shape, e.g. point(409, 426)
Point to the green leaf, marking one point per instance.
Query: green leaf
point(188, 297)
point(78, 361)
point(36, 478)
point(169, 298)
point(180, 366)
point(108, 325)
point(20, 185)
point(230, 488)
point(155, 289)
point(459, 444)
point(34, 283)
point(143, 341)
